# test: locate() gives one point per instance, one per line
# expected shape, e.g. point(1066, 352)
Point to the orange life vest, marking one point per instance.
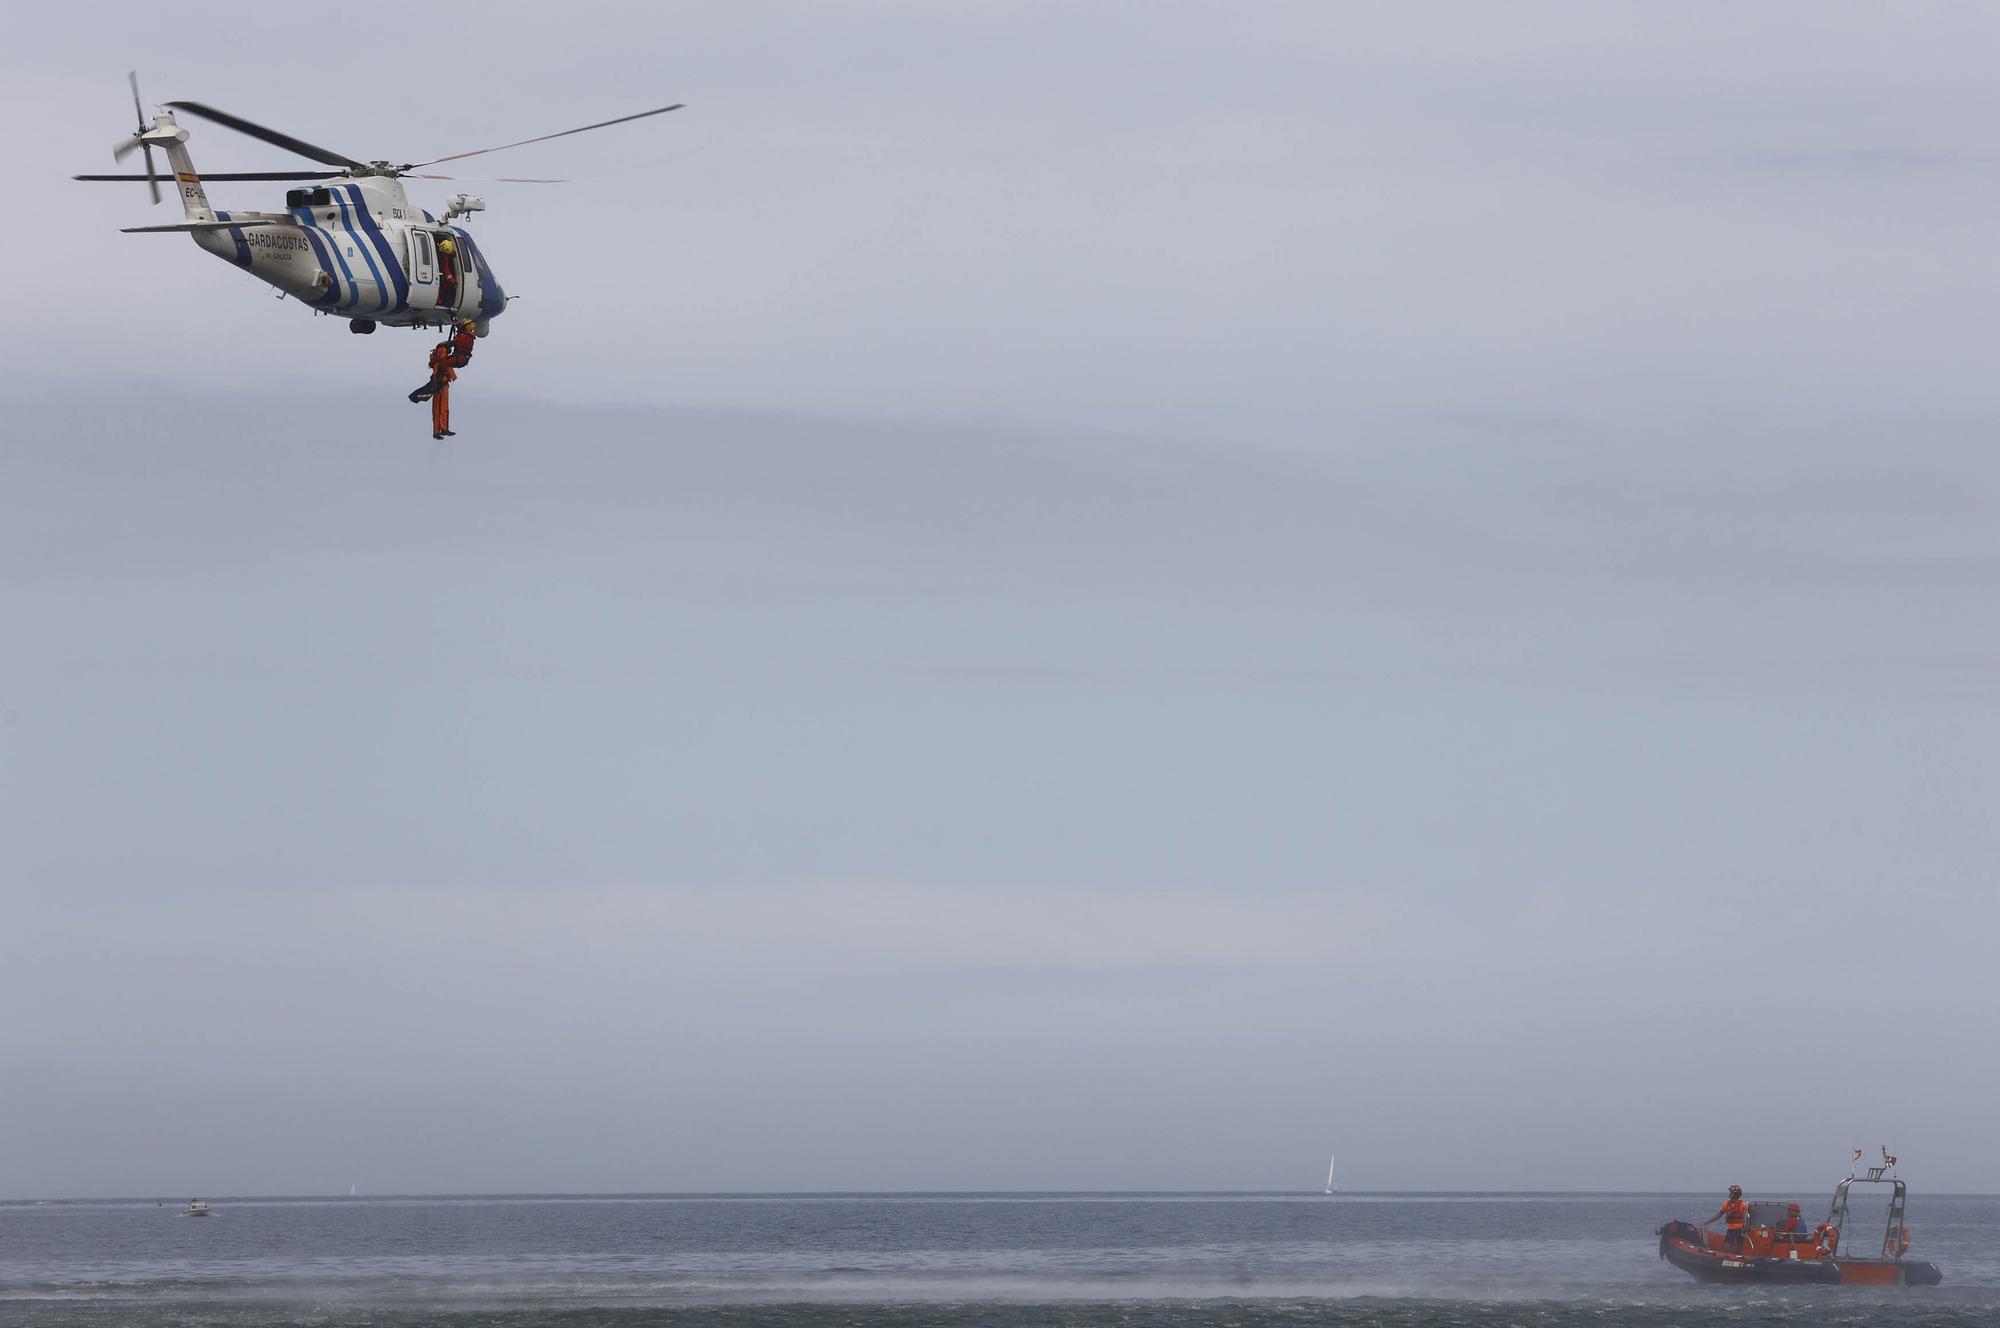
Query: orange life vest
point(1734, 1212)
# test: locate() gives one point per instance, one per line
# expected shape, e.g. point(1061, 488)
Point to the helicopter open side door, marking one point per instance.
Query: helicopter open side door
point(438, 277)
point(423, 270)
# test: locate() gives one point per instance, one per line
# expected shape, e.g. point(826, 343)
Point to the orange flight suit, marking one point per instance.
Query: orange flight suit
point(443, 375)
point(447, 296)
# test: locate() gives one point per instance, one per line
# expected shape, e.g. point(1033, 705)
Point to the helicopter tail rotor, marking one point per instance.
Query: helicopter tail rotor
point(138, 139)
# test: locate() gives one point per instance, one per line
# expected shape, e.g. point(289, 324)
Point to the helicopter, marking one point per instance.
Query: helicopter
point(349, 244)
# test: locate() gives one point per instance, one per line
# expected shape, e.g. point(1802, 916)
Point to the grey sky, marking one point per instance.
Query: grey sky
point(1158, 590)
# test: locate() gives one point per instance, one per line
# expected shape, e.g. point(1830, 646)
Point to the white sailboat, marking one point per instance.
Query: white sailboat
point(352, 1191)
point(1329, 1173)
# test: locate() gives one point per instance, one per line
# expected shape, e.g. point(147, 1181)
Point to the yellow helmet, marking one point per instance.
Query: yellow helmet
point(447, 247)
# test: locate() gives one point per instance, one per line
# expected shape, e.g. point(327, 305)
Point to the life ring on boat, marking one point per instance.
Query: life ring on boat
point(1829, 1237)
point(1898, 1243)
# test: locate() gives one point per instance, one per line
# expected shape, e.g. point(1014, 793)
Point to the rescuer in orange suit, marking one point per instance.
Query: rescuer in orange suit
point(1735, 1215)
point(442, 377)
point(447, 358)
point(1794, 1222)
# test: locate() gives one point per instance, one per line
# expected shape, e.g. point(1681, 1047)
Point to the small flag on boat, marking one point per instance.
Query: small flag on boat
point(1888, 1158)
point(1857, 1155)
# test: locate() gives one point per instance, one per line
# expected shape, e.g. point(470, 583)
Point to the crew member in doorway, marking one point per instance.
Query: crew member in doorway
point(1735, 1215)
point(447, 273)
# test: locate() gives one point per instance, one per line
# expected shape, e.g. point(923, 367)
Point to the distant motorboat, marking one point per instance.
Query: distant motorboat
point(195, 1208)
point(1329, 1173)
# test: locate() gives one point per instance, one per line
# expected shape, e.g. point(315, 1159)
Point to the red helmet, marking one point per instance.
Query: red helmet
point(1791, 1208)
point(1736, 1191)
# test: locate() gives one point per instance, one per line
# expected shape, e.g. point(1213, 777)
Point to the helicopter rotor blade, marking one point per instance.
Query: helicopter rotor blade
point(126, 149)
point(237, 175)
point(492, 179)
point(601, 124)
point(138, 138)
point(325, 156)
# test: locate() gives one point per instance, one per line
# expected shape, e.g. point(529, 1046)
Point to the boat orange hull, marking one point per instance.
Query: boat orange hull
point(1704, 1255)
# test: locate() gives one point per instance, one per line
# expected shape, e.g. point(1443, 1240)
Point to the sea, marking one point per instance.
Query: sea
point(1135, 1260)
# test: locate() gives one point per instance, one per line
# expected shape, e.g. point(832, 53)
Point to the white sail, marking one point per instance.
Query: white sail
point(1329, 1173)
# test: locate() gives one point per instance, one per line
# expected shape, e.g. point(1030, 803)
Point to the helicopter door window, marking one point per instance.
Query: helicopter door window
point(420, 241)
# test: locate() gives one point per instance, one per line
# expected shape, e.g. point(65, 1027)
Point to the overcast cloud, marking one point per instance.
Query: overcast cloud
point(1030, 596)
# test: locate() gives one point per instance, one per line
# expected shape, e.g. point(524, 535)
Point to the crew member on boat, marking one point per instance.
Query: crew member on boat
point(1735, 1215)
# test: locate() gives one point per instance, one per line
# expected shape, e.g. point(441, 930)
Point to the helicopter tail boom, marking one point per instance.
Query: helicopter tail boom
point(170, 137)
point(194, 199)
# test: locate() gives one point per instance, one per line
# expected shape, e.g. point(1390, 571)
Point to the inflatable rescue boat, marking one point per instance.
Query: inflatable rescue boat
point(1828, 1252)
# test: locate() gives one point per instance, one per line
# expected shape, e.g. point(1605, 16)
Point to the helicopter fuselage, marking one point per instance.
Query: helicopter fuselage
point(354, 247)
point(349, 244)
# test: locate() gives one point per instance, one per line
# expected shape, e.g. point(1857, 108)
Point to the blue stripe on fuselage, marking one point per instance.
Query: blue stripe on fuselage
point(390, 262)
point(235, 233)
point(367, 256)
point(331, 295)
point(352, 295)
point(352, 298)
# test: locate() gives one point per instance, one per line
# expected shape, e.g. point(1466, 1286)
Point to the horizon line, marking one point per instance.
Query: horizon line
point(909, 1193)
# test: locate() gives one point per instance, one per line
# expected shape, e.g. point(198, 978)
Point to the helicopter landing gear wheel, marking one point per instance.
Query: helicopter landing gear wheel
point(361, 326)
